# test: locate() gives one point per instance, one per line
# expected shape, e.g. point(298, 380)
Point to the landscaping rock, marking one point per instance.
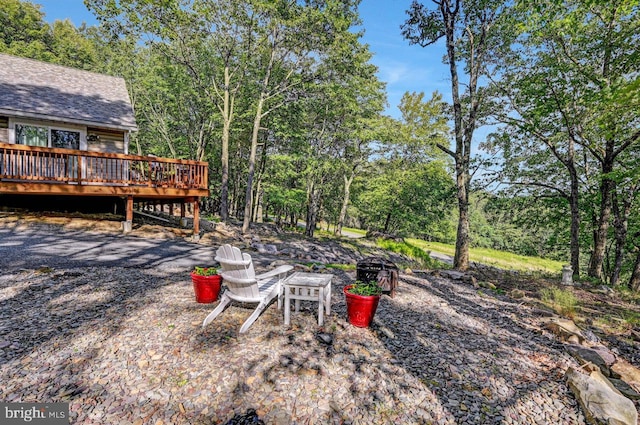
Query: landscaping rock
point(602, 358)
point(627, 372)
point(517, 294)
point(601, 404)
point(564, 329)
point(625, 389)
point(452, 274)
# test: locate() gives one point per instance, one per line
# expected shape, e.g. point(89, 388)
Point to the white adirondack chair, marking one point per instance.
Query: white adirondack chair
point(243, 285)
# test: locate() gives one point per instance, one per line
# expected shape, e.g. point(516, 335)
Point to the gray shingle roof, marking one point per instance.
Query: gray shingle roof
point(35, 89)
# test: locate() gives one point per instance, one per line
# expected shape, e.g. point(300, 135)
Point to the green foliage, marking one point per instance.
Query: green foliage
point(205, 271)
point(632, 318)
point(393, 197)
point(23, 32)
point(415, 253)
point(562, 301)
point(568, 71)
point(423, 126)
point(530, 232)
point(371, 288)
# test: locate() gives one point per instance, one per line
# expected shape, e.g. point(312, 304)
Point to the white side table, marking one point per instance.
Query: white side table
point(307, 286)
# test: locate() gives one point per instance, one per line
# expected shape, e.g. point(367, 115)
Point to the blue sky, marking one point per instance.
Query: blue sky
point(403, 67)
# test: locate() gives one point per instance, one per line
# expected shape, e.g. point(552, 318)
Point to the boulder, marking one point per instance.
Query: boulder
point(625, 389)
point(517, 293)
point(452, 274)
point(564, 329)
point(488, 285)
point(599, 356)
point(627, 372)
point(602, 405)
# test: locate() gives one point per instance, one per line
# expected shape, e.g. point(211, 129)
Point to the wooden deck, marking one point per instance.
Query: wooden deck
point(29, 170)
point(49, 171)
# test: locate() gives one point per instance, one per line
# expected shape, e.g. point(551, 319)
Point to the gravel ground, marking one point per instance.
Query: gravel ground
point(124, 345)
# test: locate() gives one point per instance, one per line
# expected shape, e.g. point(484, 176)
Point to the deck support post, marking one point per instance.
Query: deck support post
point(127, 225)
point(196, 217)
point(183, 220)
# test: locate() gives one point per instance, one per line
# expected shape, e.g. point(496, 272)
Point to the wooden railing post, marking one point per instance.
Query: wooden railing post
point(79, 161)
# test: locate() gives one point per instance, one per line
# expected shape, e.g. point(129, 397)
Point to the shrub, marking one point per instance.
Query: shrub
point(563, 301)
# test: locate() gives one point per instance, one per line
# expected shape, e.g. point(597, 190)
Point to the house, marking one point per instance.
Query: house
point(65, 131)
point(47, 105)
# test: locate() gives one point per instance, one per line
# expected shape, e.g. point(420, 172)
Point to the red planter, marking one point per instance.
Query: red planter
point(360, 308)
point(207, 288)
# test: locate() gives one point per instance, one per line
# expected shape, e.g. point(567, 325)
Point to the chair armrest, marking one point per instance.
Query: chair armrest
point(222, 260)
point(236, 280)
point(275, 272)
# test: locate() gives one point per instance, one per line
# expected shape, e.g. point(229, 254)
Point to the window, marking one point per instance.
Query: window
point(31, 135)
point(65, 139)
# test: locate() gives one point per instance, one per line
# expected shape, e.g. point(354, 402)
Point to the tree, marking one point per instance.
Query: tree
point(398, 197)
point(211, 41)
point(467, 28)
point(23, 32)
point(292, 38)
point(422, 128)
point(569, 85)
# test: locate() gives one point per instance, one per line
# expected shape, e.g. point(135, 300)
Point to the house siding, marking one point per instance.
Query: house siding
point(102, 140)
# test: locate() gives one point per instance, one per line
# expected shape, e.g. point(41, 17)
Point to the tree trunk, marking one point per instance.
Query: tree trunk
point(620, 226)
point(248, 202)
point(461, 257)
point(387, 223)
point(634, 281)
point(575, 220)
point(257, 208)
point(227, 116)
point(600, 233)
point(463, 137)
point(312, 211)
point(345, 204)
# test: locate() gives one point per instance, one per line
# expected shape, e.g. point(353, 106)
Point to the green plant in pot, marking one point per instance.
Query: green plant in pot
point(206, 284)
point(205, 271)
point(362, 302)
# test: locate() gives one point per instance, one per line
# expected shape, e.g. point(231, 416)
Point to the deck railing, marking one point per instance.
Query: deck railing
point(67, 166)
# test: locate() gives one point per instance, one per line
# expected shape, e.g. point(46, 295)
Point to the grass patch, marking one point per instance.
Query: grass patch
point(628, 295)
point(632, 318)
point(417, 254)
point(612, 324)
point(345, 267)
point(563, 301)
point(356, 231)
point(492, 257)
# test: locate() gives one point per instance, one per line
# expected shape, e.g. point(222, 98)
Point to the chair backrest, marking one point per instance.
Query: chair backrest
point(237, 271)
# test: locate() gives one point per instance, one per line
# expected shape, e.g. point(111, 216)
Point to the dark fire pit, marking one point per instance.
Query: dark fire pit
point(383, 271)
